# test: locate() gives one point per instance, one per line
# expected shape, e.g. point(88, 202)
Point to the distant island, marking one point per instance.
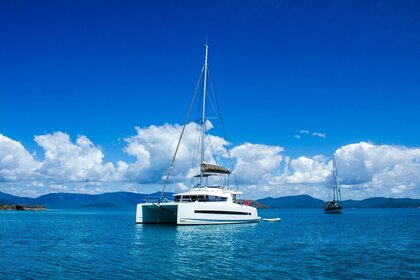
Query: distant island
point(129, 200)
point(22, 207)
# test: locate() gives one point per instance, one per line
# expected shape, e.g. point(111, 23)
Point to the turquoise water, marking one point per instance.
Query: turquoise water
point(307, 244)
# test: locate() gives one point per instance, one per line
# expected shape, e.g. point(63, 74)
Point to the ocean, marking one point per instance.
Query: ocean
point(306, 244)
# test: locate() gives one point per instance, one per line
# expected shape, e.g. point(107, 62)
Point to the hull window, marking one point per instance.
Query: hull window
point(221, 212)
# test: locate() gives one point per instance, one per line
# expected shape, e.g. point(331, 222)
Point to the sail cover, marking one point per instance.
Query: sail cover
point(211, 168)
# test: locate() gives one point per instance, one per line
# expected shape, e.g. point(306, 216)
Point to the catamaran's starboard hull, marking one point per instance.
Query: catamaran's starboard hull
point(195, 213)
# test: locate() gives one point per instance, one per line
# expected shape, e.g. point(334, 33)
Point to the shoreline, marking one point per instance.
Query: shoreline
point(21, 207)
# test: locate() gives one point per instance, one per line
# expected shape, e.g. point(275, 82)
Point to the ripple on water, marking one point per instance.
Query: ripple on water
point(363, 244)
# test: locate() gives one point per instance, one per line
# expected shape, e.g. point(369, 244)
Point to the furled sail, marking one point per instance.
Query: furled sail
point(211, 168)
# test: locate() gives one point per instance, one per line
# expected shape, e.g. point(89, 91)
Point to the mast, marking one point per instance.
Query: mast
point(336, 186)
point(203, 117)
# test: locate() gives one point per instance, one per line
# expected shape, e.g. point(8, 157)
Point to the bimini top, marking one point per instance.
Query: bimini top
point(211, 168)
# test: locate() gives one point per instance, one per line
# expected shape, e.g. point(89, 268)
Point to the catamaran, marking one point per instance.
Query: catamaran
point(334, 206)
point(210, 200)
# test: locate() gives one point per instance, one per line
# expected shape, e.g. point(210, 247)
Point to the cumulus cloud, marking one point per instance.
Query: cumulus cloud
point(380, 170)
point(154, 146)
point(308, 170)
point(67, 161)
point(254, 162)
point(66, 166)
point(365, 169)
point(15, 162)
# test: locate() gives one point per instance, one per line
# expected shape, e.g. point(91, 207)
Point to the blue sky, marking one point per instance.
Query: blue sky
point(346, 69)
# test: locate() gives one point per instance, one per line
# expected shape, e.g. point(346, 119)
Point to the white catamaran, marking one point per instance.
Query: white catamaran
point(206, 202)
point(334, 206)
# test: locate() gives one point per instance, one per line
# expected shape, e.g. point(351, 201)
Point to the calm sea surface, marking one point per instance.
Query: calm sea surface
point(307, 244)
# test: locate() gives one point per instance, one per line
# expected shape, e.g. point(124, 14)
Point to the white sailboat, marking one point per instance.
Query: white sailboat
point(206, 202)
point(334, 206)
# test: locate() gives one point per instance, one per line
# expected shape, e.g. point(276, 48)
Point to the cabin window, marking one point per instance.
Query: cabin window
point(200, 198)
point(216, 198)
point(186, 198)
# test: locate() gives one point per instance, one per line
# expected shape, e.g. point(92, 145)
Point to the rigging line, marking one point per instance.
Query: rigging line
point(197, 144)
point(223, 128)
point(209, 138)
point(195, 153)
point(216, 110)
point(180, 137)
point(338, 181)
point(212, 150)
point(211, 102)
point(215, 159)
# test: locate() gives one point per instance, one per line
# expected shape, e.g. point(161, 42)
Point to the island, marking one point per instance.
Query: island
point(22, 207)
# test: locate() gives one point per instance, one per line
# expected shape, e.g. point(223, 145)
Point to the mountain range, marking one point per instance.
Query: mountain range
point(75, 200)
point(128, 200)
point(306, 201)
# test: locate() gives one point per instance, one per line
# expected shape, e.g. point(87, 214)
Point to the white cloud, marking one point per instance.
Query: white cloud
point(181, 187)
point(75, 162)
point(15, 162)
point(365, 169)
point(380, 170)
point(320, 135)
point(308, 170)
point(66, 166)
point(254, 162)
point(154, 146)
point(308, 132)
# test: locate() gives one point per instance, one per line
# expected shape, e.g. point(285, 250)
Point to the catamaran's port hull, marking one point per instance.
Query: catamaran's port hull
point(195, 213)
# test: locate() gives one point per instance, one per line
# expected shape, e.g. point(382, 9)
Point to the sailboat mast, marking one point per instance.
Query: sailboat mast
point(203, 118)
point(337, 182)
point(336, 186)
point(334, 179)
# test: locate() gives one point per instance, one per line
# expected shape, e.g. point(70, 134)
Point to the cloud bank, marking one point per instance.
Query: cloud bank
point(78, 165)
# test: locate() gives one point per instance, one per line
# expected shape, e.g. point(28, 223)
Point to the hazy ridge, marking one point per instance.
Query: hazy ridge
point(127, 200)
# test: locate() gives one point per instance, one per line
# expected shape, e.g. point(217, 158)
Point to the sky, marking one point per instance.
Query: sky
point(93, 93)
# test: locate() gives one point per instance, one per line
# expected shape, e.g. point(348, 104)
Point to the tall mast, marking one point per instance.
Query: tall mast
point(334, 178)
point(203, 118)
point(336, 184)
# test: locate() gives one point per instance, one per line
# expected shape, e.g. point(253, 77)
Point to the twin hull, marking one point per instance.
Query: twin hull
point(195, 213)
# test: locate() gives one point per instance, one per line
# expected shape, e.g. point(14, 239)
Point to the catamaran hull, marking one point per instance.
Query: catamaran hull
point(195, 213)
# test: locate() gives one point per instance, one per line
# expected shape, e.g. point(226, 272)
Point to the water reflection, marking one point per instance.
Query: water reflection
point(181, 251)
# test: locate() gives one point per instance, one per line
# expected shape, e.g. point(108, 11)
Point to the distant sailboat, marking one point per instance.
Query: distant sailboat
point(334, 206)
